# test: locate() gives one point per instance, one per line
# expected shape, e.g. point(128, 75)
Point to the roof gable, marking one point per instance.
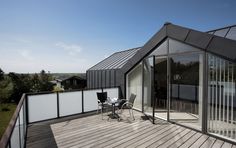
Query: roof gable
point(220, 46)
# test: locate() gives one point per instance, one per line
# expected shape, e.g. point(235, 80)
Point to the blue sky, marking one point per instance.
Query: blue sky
point(72, 35)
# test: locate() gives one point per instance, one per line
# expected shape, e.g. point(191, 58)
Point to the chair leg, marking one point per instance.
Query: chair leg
point(133, 114)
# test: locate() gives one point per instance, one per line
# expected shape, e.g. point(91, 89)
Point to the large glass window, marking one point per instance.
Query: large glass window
point(178, 47)
point(147, 85)
point(186, 89)
point(134, 85)
point(160, 50)
point(221, 97)
point(160, 87)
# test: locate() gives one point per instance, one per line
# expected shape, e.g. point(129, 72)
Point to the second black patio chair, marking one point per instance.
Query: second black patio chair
point(128, 104)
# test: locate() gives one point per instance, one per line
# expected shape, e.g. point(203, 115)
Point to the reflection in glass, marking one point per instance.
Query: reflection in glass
point(147, 84)
point(160, 50)
point(160, 87)
point(134, 85)
point(178, 47)
point(232, 33)
point(221, 97)
point(221, 32)
point(186, 89)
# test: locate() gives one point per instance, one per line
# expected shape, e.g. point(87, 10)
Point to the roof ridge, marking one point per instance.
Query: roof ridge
point(230, 26)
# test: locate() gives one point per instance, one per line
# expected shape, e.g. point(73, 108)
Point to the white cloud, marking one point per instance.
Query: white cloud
point(72, 49)
point(26, 54)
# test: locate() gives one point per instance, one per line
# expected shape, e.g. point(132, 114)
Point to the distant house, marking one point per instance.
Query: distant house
point(71, 82)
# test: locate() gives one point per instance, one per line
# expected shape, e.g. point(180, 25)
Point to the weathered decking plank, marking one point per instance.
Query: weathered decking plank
point(208, 143)
point(92, 131)
point(199, 142)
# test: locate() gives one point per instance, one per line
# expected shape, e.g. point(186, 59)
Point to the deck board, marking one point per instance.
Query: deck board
point(93, 132)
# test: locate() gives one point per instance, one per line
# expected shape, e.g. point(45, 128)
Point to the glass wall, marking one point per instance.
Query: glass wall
point(134, 85)
point(186, 89)
point(148, 85)
point(221, 97)
point(160, 87)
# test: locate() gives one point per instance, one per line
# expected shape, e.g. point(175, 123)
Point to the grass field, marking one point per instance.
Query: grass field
point(5, 116)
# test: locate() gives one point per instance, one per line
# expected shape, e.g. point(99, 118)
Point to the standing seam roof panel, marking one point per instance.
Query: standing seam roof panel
point(123, 58)
point(116, 60)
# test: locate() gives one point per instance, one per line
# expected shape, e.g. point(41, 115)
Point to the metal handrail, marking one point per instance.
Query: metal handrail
point(8, 132)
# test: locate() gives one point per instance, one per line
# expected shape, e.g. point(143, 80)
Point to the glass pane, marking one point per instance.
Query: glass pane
point(15, 138)
point(148, 83)
point(112, 92)
point(221, 97)
point(22, 134)
point(232, 33)
point(211, 32)
point(186, 89)
point(222, 32)
point(90, 100)
point(160, 87)
point(178, 47)
point(134, 82)
point(160, 50)
point(42, 107)
point(70, 103)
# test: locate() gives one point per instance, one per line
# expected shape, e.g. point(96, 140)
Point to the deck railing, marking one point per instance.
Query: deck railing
point(36, 107)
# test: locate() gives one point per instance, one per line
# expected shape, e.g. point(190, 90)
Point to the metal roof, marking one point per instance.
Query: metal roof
point(223, 47)
point(226, 32)
point(116, 60)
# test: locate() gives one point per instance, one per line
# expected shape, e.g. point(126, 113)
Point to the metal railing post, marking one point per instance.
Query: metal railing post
point(58, 106)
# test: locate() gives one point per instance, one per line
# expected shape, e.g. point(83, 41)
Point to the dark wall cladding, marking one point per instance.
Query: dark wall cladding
point(103, 78)
point(112, 78)
point(108, 78)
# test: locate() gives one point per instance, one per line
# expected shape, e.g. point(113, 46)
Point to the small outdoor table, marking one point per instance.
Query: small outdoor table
point(114, 102)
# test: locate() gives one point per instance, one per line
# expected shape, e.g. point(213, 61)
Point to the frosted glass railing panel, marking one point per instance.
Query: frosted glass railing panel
point(112, 92)
point(90, 100)
point(15, 139)
point(70, 103)
point(22, 126)
point(42, 107)
point(24, 117)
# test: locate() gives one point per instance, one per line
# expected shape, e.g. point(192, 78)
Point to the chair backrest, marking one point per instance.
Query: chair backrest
point(132, 98)
point(102, 96)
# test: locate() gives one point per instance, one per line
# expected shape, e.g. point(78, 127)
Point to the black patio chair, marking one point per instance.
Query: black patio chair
point(128, 104)
point(102, 101)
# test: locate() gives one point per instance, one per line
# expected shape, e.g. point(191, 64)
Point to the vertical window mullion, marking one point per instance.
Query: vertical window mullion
point(216, 96)
point(232, 98)
point(228, 99)
point(220, 83)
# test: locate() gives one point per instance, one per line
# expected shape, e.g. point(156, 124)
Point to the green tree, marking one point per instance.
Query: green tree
point(21, 84)
point(6, 89)
point(1, 74)
point(45, 79)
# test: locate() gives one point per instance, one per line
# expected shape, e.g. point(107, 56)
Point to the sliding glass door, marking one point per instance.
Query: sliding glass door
point(160, 87)
point(186, 83)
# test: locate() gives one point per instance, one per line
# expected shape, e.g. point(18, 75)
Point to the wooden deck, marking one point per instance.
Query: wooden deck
point(92, 131)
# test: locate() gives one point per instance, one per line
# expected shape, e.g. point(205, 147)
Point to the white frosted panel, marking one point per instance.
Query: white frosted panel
point(112, 92)
point(24, 106)
point(22, 126)
point(15, 139)
point(42, 107)
point(70, 103)
point(90, 100)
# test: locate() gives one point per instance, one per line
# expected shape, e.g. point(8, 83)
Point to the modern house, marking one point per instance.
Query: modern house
point(180, 75)
point(71, 82)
